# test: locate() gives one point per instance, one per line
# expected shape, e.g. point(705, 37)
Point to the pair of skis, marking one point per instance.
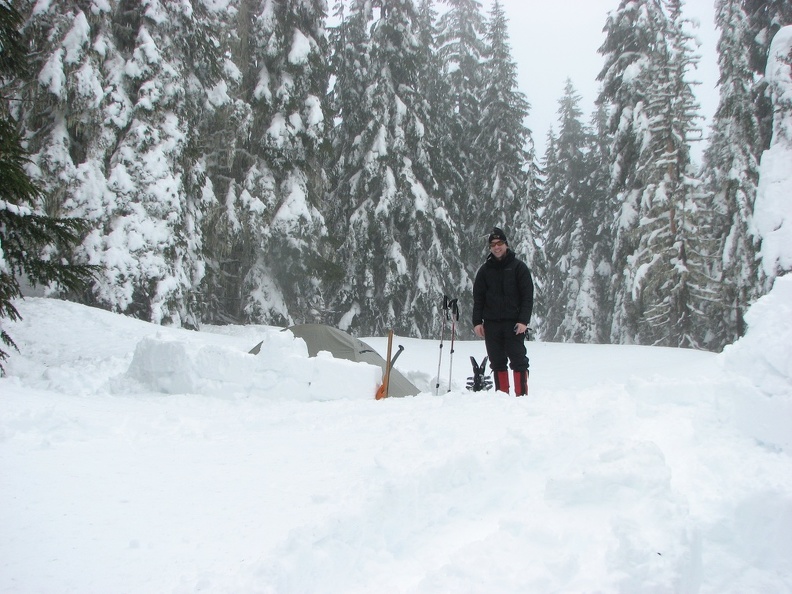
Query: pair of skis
point(450, 312)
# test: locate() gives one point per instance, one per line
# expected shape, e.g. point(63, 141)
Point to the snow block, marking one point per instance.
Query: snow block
point(360, 380)
point(173, 366)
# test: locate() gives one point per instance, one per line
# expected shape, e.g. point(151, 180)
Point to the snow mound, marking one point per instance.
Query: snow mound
point(762, 365)
point(281, 369)
point(763, 354)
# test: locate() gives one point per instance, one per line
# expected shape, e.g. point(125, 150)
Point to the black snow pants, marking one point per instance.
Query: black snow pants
point(502, 344)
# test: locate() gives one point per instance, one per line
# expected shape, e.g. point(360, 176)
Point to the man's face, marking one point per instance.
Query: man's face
point(498, 248)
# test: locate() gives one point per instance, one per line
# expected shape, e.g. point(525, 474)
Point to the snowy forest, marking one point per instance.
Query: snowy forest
point(290, 161)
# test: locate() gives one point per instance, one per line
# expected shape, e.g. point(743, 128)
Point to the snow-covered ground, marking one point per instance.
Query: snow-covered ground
point(136, 459)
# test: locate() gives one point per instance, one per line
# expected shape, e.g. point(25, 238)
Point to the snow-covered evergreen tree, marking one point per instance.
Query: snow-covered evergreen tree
point(269, 230)
point(568, 222)
point(597, 296)
point(506, 187)
point(773, 216)
point(765, 18)
point(629, 72)
point(670, 279)
point(462, 49)
point(351, 65)
point(399, 250)
point(529, 224)
point(578, 218)
point(32, 244)
point(647, 56)
point(443, 135)
point(731, 175)
point(118, 84)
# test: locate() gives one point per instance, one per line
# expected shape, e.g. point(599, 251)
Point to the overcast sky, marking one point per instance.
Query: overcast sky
point(555, 40)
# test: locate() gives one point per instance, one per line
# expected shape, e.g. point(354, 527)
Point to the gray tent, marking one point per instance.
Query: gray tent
point(341, 345)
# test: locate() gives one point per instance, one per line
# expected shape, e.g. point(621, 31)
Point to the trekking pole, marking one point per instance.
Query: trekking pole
point(442, 335)
point(454, 318)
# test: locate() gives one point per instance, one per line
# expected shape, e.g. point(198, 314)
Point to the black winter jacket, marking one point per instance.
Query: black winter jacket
point(503, 290)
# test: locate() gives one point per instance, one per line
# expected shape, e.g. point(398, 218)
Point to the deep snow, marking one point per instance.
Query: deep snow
point(137, 458)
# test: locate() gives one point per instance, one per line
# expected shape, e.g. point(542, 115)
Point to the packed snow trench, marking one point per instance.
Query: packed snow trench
point(136, 458)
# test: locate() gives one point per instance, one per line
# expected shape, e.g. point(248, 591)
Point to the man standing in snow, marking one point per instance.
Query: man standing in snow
point(502, 305)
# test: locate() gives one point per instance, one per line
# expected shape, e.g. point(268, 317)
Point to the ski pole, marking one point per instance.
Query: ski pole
point(442, 336)
point(454, 317)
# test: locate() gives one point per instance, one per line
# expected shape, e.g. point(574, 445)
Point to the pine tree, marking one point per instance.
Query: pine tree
point(772, 220)
point(765, 18)
point(504, 145)
point(462, 49)
point(579, 215)
point(554, 239)
point(568, 222)
point(269, 230)
point(647, 56)
point(119, 87)
point(603, 213)
point(731, 175)
point(443, 135)
point(629, 72)
point(225, 156)
point(527, 230)
point(32, 244)
point(672, 286)
point(351, 64)
point(399, 245)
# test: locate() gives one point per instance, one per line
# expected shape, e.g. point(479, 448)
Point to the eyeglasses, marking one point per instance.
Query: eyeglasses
point(496, 244)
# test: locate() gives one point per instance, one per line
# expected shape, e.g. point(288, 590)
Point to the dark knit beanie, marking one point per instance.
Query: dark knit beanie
point(497, 234)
